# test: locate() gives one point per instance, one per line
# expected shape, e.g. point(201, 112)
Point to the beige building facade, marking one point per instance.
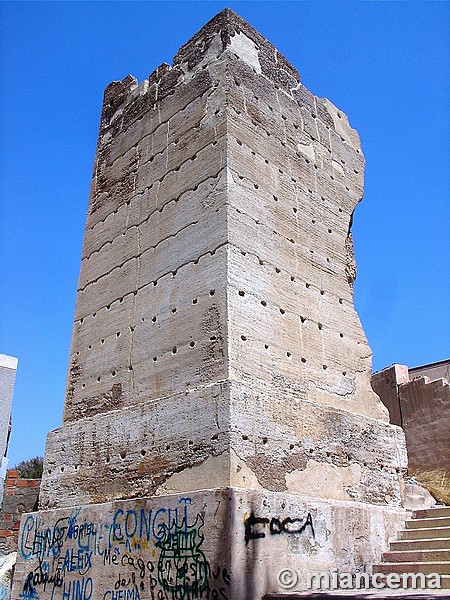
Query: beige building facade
point(418, 400)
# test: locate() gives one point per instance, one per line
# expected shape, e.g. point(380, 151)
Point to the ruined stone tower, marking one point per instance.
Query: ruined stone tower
point(219, 414)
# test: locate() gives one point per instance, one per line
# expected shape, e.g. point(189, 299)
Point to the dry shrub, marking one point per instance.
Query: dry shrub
point(436, 482)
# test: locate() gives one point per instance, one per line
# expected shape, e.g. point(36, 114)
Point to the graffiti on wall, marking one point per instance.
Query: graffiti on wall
point(256, 527)
point(135, 552)
point(153, 553)
point(5, 591)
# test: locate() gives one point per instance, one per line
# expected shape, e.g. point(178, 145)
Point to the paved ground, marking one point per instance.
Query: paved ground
point(364, 595)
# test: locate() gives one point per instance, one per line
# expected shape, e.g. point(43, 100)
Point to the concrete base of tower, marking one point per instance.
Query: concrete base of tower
point(231, 543)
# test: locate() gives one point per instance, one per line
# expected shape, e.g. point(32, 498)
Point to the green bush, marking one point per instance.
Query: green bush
point(30, 469)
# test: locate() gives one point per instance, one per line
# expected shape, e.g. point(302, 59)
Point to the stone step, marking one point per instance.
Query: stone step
point(428, 523)
point(385, 594)
point(441, 567)
point(431, 513)
point(424, 534)
point(433, 544)
point(419, 556)
point(445, 585)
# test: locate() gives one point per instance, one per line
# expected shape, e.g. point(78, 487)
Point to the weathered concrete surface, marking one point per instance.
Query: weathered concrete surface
point(417, 497)
point(215, 342)
point(421, 406)
point(215, 324)
point(255, 436)
point(227, 544)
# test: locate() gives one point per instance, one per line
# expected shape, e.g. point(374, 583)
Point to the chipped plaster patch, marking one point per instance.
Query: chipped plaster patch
point(246, 50)
point(138, 90)
point(337, 167)
point(212, 473)
point(324, 480)
point(230, 180)
point(241, 475)
point(307, 150)
point(225, 181)
point(209, 58)
point(345, 386)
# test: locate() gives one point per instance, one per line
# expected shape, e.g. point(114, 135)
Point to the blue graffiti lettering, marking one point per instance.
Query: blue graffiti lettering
point(78, 590)
point(132, 527)
point(75, 561)
point(122, 594)
point(26, 548)
point(131, 516)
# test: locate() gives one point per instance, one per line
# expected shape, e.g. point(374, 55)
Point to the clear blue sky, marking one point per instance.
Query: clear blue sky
point(386, 64)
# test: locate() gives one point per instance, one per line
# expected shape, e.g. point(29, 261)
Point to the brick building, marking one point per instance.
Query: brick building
point(21, 495)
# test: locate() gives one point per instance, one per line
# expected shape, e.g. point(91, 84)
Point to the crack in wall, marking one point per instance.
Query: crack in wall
point(132, 316)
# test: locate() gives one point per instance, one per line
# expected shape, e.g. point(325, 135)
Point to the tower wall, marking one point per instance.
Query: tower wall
point(217, 360)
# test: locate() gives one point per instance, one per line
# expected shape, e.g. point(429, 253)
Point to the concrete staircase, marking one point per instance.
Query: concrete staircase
point(422, 547)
